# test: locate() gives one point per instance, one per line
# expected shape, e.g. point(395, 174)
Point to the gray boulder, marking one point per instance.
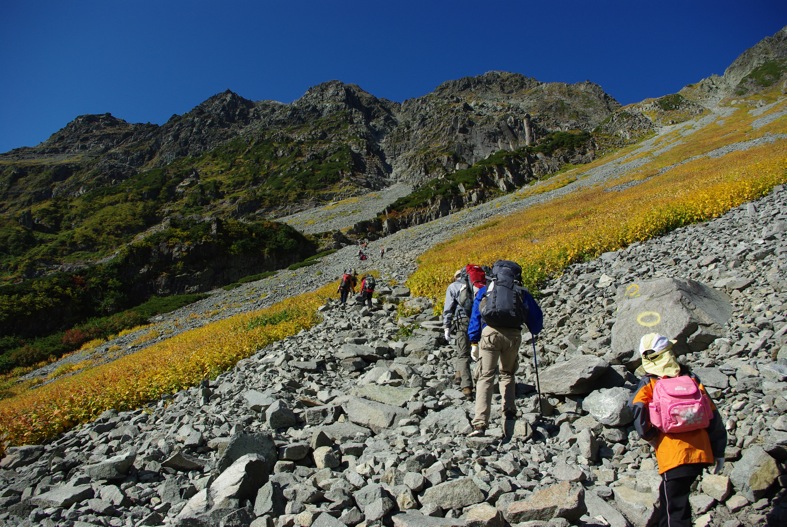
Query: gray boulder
point(576, 376)
point(609, 407)
point(114, 468)
point(240, 482)
point(241, 444)
point(454, 494)
point(557, 501)
point(374, 415)
point(754, 473)
point(64, 496)
point(688, 311)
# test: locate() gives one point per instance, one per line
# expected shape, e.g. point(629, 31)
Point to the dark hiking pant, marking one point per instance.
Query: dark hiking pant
point(674, 509)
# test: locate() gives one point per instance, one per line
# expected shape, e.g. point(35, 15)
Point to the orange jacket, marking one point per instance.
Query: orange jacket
point(674, 450)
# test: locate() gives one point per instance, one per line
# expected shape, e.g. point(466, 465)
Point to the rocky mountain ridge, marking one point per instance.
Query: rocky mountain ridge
point(460, 123)
point(754, 67)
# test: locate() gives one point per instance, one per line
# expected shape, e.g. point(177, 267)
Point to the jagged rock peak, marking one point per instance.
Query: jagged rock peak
point(90, 132)
point(495, 81)
point(336, 92)
point(91, 123)
point(738, 77)
point(227, 105)
point(768, 49)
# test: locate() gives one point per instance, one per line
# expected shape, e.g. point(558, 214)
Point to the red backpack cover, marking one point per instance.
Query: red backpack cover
point(476, 275)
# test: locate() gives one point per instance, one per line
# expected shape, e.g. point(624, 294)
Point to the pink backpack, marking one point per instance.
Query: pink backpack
point(679, 405)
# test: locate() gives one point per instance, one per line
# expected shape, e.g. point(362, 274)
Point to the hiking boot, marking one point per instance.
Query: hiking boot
point(477, 432)
point(467, 392)
point(457, 377)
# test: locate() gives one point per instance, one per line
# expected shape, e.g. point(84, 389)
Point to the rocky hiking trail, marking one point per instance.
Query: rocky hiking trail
point(356, 422)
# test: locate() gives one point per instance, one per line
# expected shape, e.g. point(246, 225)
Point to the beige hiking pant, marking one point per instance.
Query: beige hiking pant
point(499, 349)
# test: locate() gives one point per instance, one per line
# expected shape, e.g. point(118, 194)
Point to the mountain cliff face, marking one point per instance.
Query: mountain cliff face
point(467, 120)
point(758, 67)
point(462, 122)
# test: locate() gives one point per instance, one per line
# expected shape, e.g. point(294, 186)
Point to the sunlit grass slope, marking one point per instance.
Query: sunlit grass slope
point(692, 179)
point(163, 368)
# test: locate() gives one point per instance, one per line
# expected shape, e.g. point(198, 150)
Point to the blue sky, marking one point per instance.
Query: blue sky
point(145, 60)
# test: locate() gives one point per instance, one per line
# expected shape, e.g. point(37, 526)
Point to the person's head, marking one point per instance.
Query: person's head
point(657, 355)
point(458, 274)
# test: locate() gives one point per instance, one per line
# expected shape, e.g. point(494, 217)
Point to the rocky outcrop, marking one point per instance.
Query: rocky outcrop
point(464, 121)
point(744, 75)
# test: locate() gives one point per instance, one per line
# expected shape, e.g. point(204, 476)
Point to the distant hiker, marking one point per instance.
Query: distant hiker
point(681, 456)
point(456, 314)
point(345, 286)
point(367, 289)
point(354, 280)
point(382, 252)
point(495, 333)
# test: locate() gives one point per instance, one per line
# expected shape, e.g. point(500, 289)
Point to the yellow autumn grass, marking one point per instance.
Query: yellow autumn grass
point(163, 368)
point(545, 238)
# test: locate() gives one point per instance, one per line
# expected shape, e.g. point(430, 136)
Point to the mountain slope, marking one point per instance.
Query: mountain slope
point(103, 195)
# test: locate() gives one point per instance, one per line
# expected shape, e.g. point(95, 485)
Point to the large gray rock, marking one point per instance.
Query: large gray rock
point(688, 311)
point(20, 456)
point(241, 481)
point(452, 419)
point(377, 416)
point(344, 431)
point(114, 468)
point(279, 415)
point(576, 376)
point(270, 500)
point(638, 507)
point(600, 508)
point(419, 519)
point(454, 494)
point(609, 407)
point(754, 473)
point(64, 496)
point(241, 444)
point(374, 501)
point(391, 395)
point(557, 501)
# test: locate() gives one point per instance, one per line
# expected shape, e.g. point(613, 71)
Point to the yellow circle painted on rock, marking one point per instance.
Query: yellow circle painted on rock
point(632, 291)
point(648, 319)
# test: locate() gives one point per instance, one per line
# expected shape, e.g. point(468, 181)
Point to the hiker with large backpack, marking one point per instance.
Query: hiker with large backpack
point(367, 289)
point(674, 413)
point(456, 314)
point(346, 285)
point(500, 309)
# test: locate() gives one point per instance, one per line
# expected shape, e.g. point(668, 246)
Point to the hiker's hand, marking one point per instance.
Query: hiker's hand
point(474, 353)
point(719, 466)
point(447, 334)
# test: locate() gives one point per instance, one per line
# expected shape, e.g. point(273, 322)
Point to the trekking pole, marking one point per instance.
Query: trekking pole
point(538, 383)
